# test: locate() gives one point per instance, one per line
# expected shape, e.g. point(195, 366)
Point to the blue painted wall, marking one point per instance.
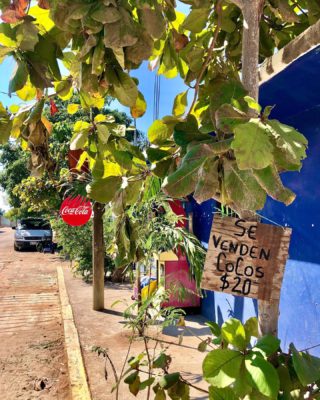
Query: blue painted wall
point(296, 94)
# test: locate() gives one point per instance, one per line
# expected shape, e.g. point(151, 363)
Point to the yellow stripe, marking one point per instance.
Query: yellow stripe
point(77, 374)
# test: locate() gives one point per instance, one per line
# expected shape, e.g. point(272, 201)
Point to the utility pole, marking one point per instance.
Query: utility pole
point(98, 257)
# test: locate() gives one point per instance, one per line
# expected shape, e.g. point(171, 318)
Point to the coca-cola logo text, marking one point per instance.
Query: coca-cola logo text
point(76, 211)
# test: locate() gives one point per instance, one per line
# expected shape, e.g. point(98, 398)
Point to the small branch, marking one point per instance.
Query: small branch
point(149, 363)
point(209, 57)
point(123, 366)
point(193, 386)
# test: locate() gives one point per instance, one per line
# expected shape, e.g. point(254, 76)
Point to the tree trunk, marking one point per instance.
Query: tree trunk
point(252, 11)
point(98, 257)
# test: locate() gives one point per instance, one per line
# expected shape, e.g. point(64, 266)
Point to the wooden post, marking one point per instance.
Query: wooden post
point(252, 11)
point(98, 253)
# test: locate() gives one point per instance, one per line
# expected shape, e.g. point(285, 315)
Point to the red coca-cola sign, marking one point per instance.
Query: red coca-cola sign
point(76, 211)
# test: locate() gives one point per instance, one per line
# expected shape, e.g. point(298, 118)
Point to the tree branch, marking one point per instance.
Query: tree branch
point(238, 3)
point(209, 56)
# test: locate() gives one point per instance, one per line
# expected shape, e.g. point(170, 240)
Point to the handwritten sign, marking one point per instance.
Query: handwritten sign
point(246, 258)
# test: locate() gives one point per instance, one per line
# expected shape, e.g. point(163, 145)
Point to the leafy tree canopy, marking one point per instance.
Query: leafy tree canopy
point(220, 146)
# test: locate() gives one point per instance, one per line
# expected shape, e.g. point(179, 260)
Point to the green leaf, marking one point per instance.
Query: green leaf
point(242, 188)
point(45, 56)
point(98, 58)
point(306, 366)
point(285, 378)
point(104, 190)
point(161, 361)
point(196, 20)
point(252, 104)
point(7, 36)
point(208, 180)
point(163, 168)
point(131, 378)
point(5, 125)
point(228, 117)
point(262, 375)
point(221, 394)
point(134, 387)
point(152, 20)
point(234, 333)
point(122, 33)
point(18, 78)
point(73, 108)
point(214, 328)
point(267, 345)
point(140, 108)
point(14, 108)
point(291, 143)
point(183, 182)
point(89, 44)
point(252, 147)
point(251, 327)
point(98, 169)
point(80, 126)
point(27, 36)
point(180, 104)
point(169, 380)
point(103, 133)
point(226, 91)
point(125, 89)
point(269, 179)
point(80, 135)
point(179, 391)
point(184, 138)
point(123, 158)
point(28, 92)
point(221, 367)
point(4, 51)
point(146, 383)
point(155, 154)
point(159, 132)
point(64, 89)
point(105, 14)
point(160, 395)
point(79, 140)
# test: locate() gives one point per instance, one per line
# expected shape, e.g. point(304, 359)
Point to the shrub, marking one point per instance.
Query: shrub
point(76, 244)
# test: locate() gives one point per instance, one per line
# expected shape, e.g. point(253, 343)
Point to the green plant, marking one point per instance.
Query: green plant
point(238, 366)
point(239, 370)
point(76, 244)
point(39, 194)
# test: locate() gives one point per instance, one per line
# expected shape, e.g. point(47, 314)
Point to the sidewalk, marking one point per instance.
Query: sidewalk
point(106, 329)
point(33, 362)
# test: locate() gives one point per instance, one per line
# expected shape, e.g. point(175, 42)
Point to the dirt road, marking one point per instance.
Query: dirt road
point(33, 362)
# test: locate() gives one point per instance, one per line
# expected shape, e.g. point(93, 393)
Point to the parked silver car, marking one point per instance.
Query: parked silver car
point(32, 232)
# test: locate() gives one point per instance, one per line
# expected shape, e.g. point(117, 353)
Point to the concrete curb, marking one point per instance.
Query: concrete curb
point(77, 374)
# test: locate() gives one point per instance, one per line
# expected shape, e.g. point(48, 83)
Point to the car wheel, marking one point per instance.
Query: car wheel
point(16, 248)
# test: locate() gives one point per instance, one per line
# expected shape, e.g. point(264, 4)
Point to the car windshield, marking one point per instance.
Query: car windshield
point(34, 224)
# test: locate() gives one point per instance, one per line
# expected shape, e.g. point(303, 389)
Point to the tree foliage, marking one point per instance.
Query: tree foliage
point(100, 42)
